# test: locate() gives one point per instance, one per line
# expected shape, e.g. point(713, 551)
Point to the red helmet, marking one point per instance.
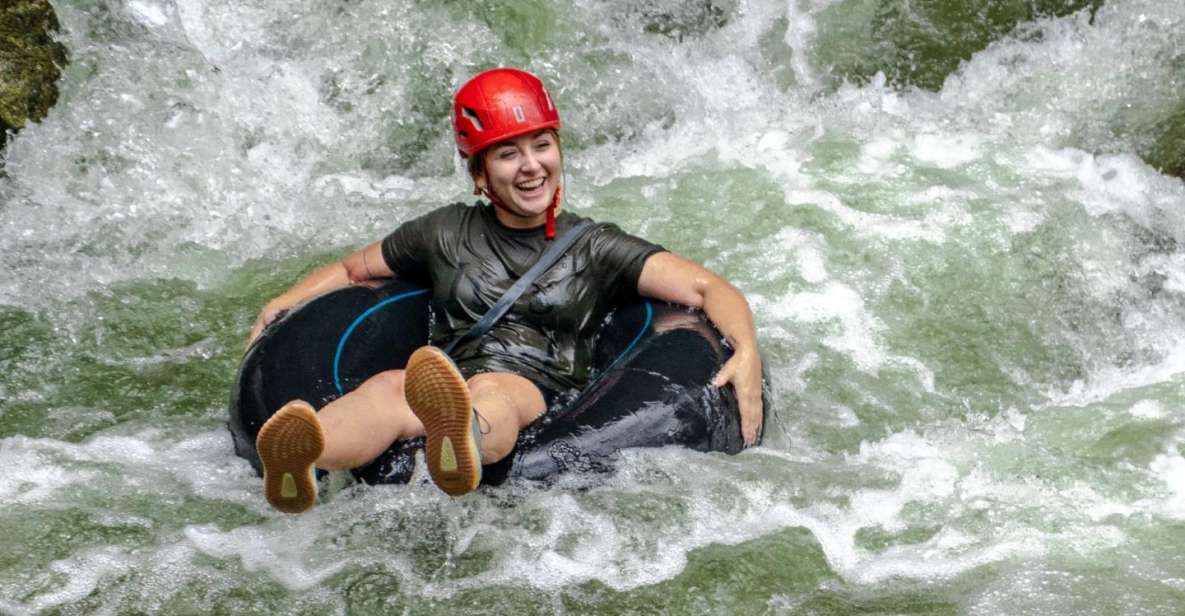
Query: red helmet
point(499, 104)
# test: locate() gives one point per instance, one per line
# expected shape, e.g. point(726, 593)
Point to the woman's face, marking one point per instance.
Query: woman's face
point(524, 173)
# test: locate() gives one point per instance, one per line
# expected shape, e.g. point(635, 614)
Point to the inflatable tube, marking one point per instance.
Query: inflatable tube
point(652, 369)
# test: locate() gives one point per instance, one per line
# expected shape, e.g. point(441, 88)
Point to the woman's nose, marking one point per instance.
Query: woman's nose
point(529, 161)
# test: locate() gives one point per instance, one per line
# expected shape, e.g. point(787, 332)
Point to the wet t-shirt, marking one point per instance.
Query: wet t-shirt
point(469, 259)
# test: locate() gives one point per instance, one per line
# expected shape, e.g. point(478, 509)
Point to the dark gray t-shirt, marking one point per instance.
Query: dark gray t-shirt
point(469, 259)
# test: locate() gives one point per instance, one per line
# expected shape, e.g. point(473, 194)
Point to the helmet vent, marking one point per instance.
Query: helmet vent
point(471, 115)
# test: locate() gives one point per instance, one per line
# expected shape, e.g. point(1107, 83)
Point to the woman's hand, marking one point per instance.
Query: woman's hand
point(743, 371)
point(674, 279)
point(272, 311)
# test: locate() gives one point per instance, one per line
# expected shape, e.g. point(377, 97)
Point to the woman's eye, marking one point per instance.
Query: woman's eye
point(506, 154)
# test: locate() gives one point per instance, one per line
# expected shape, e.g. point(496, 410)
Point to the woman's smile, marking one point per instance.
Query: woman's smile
point(522, 173)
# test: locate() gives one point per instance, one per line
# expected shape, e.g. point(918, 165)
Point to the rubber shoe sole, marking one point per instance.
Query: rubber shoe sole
point(288, 444)
point(439, 397)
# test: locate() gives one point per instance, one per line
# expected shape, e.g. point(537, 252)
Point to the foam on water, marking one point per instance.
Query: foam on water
point(839, 302)
point(1170, 468)
point(279, 554)
point(912, 456)
point(35, 477)
point(199, 462)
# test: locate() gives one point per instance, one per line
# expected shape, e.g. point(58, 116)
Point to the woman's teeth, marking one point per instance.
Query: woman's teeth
point(531, 185)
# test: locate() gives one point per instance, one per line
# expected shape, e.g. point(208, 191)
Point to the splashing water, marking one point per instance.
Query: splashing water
point(971, 303)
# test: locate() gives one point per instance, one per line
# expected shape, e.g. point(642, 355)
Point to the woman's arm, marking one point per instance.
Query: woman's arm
point(365, 264)
point(669, 277)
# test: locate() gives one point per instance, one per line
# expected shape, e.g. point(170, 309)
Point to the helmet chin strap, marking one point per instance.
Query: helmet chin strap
point(549, 228)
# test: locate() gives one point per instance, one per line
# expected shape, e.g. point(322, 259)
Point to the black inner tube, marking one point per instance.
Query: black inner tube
point(651, 387)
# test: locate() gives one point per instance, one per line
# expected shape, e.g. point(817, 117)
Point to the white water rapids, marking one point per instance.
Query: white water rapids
point(971, 303)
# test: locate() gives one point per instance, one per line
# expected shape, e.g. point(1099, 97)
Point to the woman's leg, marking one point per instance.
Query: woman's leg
point(356, 428)
point(362, 424)
point(507, 403)
point(347, 433)
point(456, 444)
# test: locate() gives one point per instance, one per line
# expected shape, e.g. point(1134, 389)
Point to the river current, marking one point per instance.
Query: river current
point(971, 303)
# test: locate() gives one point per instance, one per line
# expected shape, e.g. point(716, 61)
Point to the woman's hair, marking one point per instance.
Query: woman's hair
point(475, 163)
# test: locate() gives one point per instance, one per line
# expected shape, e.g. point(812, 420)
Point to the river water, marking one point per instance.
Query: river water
point(971, 303)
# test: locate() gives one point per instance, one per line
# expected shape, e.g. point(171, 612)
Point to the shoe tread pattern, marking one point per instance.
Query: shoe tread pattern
point(439, 396)
point(288, 445)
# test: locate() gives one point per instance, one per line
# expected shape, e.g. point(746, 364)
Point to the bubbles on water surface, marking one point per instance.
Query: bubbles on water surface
point(959, 290)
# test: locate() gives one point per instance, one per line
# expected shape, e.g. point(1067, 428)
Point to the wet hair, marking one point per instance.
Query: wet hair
point(475, 163)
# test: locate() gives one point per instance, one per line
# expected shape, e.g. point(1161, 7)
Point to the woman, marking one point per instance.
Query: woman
point(472, 403)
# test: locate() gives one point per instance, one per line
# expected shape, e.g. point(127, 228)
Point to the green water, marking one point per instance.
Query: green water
point(970, 291)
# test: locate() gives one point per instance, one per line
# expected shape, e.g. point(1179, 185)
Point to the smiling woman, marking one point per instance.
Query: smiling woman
point(472, 400)
point(521, 177)
point(512, 146)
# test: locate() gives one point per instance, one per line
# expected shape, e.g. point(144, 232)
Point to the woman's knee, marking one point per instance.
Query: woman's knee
point(386, 384)
point(485, 382)
point(382, 391)
point(523, 396)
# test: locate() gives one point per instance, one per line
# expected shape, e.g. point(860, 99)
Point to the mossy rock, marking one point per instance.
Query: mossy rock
point(920, 42)
point(30, 62)
point(686, 18)
point(1167, 153)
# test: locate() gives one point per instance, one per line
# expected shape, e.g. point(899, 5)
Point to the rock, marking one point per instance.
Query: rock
point(30, 63)
point(1167, 153)
point(920, 42)
point(686, 18)
point(677, 20)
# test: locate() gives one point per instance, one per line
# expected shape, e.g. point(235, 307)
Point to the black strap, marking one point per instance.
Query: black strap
point(553, 254)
